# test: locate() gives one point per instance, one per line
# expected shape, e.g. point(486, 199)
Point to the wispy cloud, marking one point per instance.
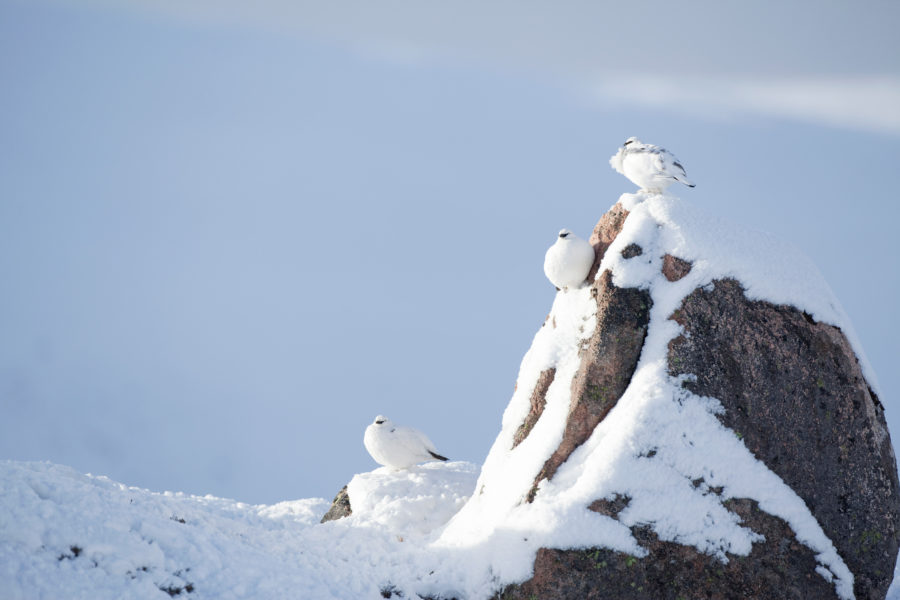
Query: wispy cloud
point(864, 103)
point(840, 69)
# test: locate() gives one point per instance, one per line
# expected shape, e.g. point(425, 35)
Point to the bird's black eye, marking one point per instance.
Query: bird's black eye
point(627, 142)
point(563, 235)
point(379, 422)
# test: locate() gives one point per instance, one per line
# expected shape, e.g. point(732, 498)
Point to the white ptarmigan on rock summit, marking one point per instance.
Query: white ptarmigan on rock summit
point(568, 261)
point(650, 167)
point(398, 447)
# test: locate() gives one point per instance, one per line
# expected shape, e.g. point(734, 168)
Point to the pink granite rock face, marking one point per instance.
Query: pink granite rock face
point(538, 402)
point(606, 230)
point(781, 567)
point(675, 268)
point(794, 391)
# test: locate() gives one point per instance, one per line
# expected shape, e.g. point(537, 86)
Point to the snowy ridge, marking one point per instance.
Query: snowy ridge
point(654, 414)
point(68, 535)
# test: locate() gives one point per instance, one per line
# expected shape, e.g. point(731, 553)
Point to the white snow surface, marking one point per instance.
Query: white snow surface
point(441, 528)
point(133, 543)
point(413, 502)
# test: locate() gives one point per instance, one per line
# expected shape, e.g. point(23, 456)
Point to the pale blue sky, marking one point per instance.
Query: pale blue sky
point(230, 237)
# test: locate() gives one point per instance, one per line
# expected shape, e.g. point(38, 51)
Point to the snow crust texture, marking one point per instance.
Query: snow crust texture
point(68, 535)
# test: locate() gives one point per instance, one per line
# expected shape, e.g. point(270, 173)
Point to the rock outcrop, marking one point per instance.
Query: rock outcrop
point(340, 507)
point(792, 390)
point(781, 567)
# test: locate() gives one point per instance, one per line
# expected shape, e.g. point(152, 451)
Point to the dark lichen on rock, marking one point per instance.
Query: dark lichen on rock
point(340, 507)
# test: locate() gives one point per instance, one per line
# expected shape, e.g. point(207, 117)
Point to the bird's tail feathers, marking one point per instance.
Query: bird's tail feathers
point(437, 456)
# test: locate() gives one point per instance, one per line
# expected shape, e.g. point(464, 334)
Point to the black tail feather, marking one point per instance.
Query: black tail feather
point(437, 456)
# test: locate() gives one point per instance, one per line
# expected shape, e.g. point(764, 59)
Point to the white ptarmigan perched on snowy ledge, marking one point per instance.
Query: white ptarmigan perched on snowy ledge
point(568, 261)
point(398, 447)
point(651, 167)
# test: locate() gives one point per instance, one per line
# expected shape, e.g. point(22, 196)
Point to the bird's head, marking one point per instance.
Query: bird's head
point(381, 420)
point(565, 234)
point(632, 140)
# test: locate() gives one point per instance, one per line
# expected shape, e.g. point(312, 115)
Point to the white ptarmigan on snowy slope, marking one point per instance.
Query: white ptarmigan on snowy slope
point(398, 447)
point(568, 261)
point(650, 167)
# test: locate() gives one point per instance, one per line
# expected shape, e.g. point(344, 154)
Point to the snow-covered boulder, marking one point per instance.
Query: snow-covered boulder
point(698, 421)
point(422, 497)
point(410, 502)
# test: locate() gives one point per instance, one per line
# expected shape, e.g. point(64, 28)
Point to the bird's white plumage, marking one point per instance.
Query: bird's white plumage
point(650, 167)
point(568, 261)
point(398, 447)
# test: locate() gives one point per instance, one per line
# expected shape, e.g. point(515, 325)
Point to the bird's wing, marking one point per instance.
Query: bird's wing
point(675, 167)
point(678, 166)
point(413, 439)
point(676, 171)
point(659, 161)
point(666, 164)
point(423, 439)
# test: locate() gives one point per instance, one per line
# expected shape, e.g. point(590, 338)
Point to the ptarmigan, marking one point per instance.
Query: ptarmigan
point(398, 447)
point(568, 261)
point(652, 168)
